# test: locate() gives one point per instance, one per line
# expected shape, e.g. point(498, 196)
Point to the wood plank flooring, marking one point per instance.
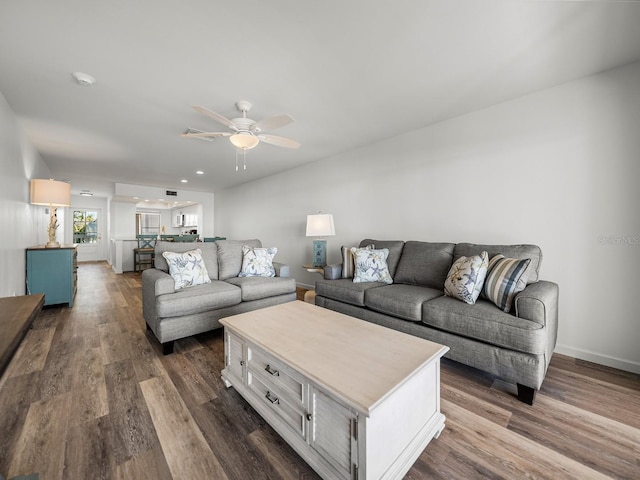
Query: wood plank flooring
point(88, 395)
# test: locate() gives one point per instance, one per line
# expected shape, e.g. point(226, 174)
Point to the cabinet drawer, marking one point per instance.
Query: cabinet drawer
point(234, 347)
point(278, 403)
point(277, 376)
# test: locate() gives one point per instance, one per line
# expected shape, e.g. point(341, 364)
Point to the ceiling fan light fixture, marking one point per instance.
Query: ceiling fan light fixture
point(244, 140)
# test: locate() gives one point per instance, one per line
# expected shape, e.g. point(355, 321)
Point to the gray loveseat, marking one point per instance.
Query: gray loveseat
point(515, 346)
point(173, 314)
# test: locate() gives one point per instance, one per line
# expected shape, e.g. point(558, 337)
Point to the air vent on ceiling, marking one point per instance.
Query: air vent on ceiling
point(171, 193)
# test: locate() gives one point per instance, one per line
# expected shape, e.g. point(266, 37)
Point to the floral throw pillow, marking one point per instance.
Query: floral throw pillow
point(370, 265)
point(348, 264)
point(466, 277)
point(187, 269)
point(257, 262)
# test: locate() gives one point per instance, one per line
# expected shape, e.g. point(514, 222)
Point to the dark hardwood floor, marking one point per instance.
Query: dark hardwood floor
point(89, 395)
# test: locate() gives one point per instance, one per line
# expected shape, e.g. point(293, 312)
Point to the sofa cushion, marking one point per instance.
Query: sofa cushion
point(466, 278)
point(403, 301)
point(198, 299)
point(344, 290)
point(505, 278)
point(511, 251)
point(209, 255)
point(256, 288)
point(187, 269)
point(425, 263)
point(230, 256)
point(395, 251)
point(257, 262)
point(370, 265)
point(484, 322)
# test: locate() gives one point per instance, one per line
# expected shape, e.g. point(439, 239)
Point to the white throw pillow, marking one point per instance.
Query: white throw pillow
point(257, 262)
point(371, 265)
point(348, 265)
point(466, 277)
point(187, 269)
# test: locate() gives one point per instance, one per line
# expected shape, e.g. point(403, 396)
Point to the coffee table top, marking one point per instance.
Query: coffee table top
point(358, 361)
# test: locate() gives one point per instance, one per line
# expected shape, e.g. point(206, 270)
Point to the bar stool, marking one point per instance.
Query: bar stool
point(145, 253)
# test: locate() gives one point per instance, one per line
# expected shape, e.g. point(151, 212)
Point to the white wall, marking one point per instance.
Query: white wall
point(23, 224)
point(558, 168)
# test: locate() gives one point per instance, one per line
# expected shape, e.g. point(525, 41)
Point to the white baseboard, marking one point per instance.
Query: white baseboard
point(614, 362)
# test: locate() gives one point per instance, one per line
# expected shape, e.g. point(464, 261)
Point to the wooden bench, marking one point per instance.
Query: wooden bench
point(16, 316)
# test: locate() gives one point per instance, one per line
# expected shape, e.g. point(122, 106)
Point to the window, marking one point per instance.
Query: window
point(85, 226)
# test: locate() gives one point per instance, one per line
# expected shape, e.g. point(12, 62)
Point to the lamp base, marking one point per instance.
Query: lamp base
point(319, 253)
point(52, 245)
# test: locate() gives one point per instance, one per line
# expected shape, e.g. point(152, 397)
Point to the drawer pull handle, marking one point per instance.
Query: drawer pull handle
point(242, 363)
point(272, 370)
point(309, 417)
point(273, 400)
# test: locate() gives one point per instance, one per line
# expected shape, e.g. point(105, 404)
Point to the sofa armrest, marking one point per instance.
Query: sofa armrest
point(333, 272)
point(538, 302)
point(157, 282)
point(154, 282)
point(282, 270)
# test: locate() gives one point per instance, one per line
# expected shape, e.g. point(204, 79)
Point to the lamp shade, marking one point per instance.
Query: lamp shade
point(50, 193)
point(244, 140)
point(320, 225)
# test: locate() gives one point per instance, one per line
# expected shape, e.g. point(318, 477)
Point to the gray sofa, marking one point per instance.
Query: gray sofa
point(173, 314)
point(515, 346)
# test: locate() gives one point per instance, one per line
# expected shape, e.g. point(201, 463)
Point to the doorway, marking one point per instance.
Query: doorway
point(87, 233)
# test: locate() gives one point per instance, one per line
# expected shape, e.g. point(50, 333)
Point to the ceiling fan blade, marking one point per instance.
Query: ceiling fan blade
point(216, 116)
point(193, 133)
point(271, 123)
point(279, 141)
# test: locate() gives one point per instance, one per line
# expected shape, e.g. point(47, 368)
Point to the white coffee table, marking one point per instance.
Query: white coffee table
point(354, 399)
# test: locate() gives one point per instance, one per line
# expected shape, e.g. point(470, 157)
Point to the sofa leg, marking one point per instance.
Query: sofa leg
point(526, 394)
point(167, 348)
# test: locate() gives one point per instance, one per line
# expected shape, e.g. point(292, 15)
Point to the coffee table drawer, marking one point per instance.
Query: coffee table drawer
point(280, 404)
point(276, 376)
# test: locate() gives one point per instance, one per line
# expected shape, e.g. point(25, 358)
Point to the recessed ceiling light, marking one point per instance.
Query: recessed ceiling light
point(200, 172)
point(83, 79)
point(184, 180)
point(136, 198)
point(146, 200)
point(86, 194)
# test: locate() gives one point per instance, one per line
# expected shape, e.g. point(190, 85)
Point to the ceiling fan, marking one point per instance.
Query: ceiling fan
point(245, 133)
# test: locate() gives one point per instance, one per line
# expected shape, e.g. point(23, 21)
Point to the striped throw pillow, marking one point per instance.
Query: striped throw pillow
point(505, 278)
point(348, 264)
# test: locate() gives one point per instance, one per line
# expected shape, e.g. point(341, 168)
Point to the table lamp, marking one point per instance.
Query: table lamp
point(320, 225)
point(53, 194)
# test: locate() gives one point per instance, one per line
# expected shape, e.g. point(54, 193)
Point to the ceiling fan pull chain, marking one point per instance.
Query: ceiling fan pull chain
point(244, 152)
point(236, 159)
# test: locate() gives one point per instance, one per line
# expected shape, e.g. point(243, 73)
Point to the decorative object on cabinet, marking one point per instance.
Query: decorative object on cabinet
point(145, 253)
point(320, 225)
point(53, 194)
point(53, 272)
point(363, 412)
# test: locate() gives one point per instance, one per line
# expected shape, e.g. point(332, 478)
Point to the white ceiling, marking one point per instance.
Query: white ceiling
point(350, 73)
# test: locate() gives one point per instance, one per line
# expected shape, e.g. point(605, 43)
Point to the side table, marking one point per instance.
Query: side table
point(310, 295)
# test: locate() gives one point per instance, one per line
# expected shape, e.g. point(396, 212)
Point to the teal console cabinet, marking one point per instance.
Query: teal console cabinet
point(53, 271)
